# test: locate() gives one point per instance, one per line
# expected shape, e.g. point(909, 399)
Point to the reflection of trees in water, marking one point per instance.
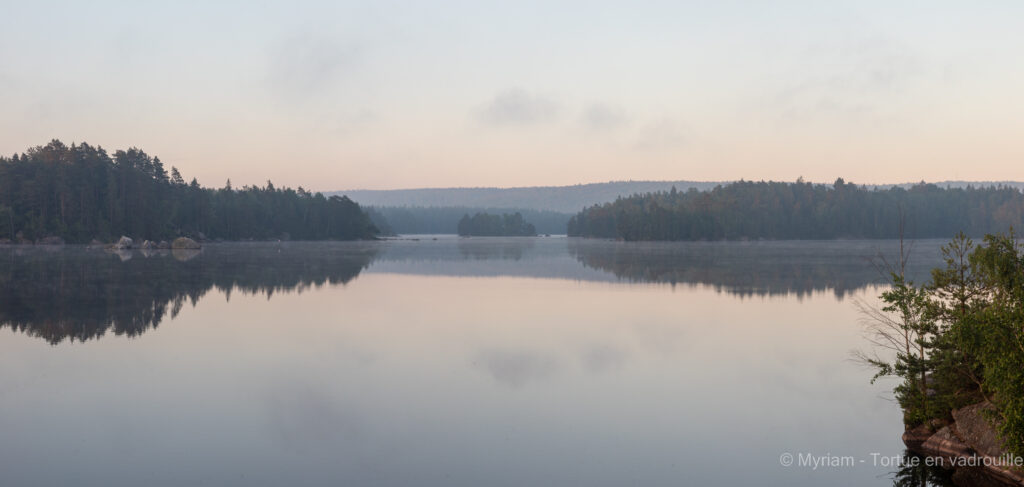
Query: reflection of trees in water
point(916, 472)
point(750, 268)
point(79, 294)
point(489, 248)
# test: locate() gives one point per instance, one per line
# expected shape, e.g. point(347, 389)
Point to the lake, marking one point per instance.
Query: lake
point(440, 361)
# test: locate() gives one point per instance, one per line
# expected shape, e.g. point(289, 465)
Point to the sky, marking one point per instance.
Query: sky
point(379, 95)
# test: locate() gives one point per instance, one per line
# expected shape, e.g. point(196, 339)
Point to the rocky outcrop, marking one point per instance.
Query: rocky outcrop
point(973, 425)
point(970, 442)
point(945, 444)
point(185, 243)
point(147, 245)
point(123, 243)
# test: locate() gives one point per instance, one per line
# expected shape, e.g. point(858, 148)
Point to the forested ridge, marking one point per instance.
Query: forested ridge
point(487, 225)
point(80, 192)
point(445, 219)
point(801, 210)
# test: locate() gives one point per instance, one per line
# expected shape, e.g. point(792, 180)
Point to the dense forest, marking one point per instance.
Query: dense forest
point(487, 225)
point(407, 220)
point(80, 193)
point(800, 210)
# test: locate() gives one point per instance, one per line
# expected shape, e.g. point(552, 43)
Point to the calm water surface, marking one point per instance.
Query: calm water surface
point(447, 362)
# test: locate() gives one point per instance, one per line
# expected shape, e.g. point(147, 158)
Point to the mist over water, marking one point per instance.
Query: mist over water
point(472, 361)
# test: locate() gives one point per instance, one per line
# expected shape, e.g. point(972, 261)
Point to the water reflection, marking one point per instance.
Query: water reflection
point(433, 367)
point(78, 294)
point(755, 268)
point(916, 472)
point(74, 293)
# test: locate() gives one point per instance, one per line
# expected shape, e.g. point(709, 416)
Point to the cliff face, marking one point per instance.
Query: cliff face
point(969, 442)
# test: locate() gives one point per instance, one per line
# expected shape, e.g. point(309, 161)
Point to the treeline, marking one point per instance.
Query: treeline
point(487, 225)
point(445, 219)
point(80, 193)
point(800, 210)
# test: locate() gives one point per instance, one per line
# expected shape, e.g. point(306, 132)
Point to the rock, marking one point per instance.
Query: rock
point(147, 245)
point(916, 437)
point(945, 444)
point(123, 243)
point(185, 243)
point(970, 444)
point(201, 236)
point(973, 426)
point(163, 244)
point(50, 241)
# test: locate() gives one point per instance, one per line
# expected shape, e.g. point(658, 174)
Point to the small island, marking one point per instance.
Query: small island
point(488, 225)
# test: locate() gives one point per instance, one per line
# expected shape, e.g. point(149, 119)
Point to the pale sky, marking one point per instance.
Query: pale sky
point(378, 95)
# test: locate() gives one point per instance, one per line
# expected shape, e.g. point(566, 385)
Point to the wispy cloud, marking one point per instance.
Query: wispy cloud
point(307, 64)
point(662, 134)
point(847, 78)
point(518, 107)
point(600, 117)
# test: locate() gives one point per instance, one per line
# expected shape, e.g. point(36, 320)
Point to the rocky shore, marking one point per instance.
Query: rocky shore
point(969, 444)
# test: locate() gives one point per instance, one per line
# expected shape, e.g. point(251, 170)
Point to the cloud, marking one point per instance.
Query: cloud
point(306, 64)
point(847, 78)
point(518, 107)
point(660, 135)
point(599, 117)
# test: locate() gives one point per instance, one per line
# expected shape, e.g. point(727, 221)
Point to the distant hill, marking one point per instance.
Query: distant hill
point(562, 199)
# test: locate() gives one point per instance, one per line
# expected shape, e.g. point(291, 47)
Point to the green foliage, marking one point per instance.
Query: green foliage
point(961, 337)
point(445, 219)
point(776, 210)
point(487, 225)
point(80, 193)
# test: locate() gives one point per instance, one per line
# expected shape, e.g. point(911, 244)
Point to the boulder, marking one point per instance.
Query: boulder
point(974, 427)
point(123, 243)
point(916, 437)
point(185, 243)
point(946, 445)
point(147, 245)
point(163, 244)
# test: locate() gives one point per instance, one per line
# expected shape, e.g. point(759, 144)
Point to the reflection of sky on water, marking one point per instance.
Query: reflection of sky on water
point(339, 366)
